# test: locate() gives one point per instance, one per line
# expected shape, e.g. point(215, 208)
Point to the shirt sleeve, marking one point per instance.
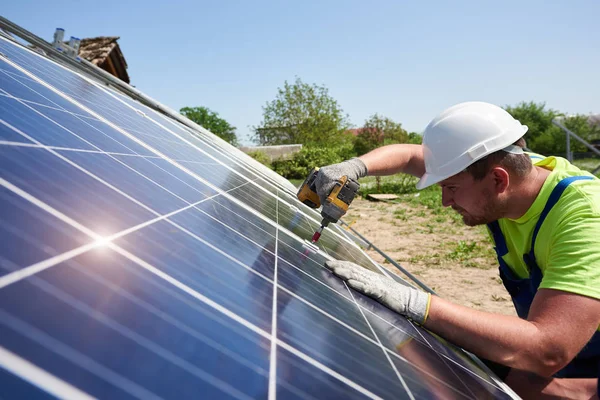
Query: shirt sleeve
point(574, 254)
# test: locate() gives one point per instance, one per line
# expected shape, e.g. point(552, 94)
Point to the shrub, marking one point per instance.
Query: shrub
point(308, 158)
point(261, 157)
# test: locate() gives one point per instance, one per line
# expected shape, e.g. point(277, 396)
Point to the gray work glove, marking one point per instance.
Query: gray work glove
point(329, 175)
point(405, 300)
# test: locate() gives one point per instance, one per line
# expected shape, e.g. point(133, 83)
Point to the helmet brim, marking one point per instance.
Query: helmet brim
point(429, 179)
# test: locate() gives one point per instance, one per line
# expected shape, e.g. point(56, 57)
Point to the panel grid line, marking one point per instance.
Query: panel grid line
point(383, 349)
point(452, 370)
point(33, 269)
point(328, 370)
point(49, 148)
point(39, 377)
point(227, 150)
point(138, 338)
point(496, 384)
point(365, 337)
point(238, 319)
point(35, 103)
point(78, 117)
point(72, 355)
point(58, 148)
point(103, 181)
point(207, 138)
point(273, 360)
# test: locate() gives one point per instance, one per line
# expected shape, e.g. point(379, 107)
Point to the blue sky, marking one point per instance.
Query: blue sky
point(404, 60)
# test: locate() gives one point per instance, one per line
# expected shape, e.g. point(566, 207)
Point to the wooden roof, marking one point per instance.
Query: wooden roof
point(104, 51)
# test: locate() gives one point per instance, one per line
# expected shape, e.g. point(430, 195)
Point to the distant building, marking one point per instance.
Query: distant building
point(280, 152)
point(104, 52)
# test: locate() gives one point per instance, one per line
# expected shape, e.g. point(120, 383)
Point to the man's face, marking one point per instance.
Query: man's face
point(475, 200)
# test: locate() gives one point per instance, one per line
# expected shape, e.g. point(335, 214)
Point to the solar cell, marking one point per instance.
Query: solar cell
point(141, 259)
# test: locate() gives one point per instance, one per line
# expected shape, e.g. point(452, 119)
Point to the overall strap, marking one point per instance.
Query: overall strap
point(552, 200)
point(501, 249)
point(499, 241)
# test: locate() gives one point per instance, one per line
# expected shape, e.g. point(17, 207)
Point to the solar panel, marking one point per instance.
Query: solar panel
point(144, 259)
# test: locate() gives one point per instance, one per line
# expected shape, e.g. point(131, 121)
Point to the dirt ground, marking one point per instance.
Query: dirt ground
point(456, 261)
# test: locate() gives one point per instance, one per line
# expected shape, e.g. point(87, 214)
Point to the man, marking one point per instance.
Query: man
point(544, 217)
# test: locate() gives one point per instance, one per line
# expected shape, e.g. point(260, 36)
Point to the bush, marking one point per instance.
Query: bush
point(308, 158)
point(261, 157)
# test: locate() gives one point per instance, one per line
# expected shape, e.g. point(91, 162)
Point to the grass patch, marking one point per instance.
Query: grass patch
point(588, 164)
point(470, 254)
point(393, 184)
point(427, 259)
point(463, 250)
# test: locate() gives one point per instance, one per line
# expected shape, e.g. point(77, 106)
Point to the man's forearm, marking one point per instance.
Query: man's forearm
point(394, 158)
point(505, 339)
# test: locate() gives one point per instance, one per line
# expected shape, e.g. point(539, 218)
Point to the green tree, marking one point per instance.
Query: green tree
point(210, 120)
point(378, 131)
point(546, 138)
point(415, 138)
point(302, 113)
point(542, 136)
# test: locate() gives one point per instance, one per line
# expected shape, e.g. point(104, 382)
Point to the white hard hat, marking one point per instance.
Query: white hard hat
point(463, 134)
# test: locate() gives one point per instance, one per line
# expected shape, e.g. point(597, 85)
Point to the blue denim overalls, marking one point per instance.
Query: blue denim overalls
point(587, 363)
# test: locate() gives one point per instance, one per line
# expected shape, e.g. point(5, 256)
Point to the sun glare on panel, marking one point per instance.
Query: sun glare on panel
point(101, 242)
point(103, 238)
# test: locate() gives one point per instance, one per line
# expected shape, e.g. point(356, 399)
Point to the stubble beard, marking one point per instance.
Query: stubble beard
point(491, 211)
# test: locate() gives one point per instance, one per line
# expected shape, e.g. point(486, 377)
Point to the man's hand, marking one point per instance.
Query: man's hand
point(330, 174)
point(405, 300)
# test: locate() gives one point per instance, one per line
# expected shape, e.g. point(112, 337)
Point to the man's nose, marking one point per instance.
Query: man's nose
point(447, 198)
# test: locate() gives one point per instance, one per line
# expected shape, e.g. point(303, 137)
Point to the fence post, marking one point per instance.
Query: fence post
point(569, 156)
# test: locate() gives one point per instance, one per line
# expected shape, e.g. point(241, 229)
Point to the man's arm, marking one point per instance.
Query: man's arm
point(559, 325)
point(394, 158)
point(386, 160)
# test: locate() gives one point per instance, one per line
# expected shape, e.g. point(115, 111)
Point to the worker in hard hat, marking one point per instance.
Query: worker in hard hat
point(544, 217)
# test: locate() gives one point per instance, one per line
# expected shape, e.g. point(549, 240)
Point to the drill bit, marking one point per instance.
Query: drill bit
point(317, 234)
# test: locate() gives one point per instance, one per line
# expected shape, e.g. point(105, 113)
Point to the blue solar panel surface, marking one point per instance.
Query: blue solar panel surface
point(141, 259)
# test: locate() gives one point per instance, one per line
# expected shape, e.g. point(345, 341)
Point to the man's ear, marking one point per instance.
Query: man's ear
point(501, 179)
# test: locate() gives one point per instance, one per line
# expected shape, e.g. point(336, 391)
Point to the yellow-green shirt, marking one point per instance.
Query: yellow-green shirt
point(567, 247)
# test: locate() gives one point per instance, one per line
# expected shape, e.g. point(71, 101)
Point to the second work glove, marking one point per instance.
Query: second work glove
point(330, 174)
point(405, 300)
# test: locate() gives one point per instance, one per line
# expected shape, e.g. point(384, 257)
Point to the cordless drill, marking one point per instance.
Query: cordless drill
point(337, 203)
